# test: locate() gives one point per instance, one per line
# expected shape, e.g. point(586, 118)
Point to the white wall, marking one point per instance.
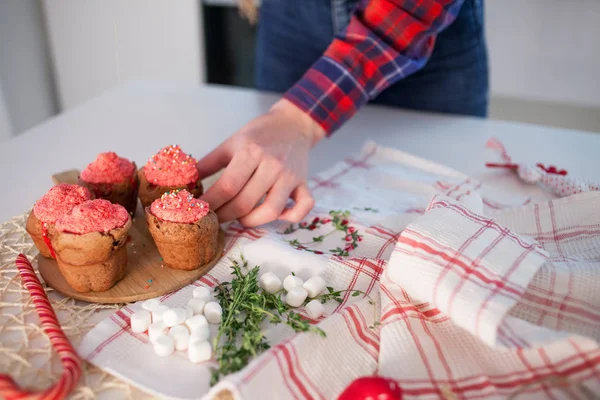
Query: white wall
point(98, 44)
point(545, 50)
point(6, 130)
point(540, 50)
point(25, 72)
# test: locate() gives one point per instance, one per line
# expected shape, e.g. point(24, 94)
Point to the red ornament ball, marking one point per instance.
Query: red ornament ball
point(372, 388)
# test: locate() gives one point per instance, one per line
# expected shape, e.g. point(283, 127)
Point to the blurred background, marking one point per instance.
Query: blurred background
point(57, 54)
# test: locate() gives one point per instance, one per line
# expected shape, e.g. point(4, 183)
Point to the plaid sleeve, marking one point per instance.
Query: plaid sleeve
point(385, 41)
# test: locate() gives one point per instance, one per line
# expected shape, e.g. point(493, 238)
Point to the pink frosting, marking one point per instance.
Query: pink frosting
point(58, 201)
point(108, 168)
point(93, 216)
point(179, 206)
point(171, 167)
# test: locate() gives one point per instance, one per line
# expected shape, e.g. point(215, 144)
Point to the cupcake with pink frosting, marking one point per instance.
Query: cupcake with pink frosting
point(169, 169)
point(112, 178)
point(89, 242)
point(56, 202)
point(184, 229)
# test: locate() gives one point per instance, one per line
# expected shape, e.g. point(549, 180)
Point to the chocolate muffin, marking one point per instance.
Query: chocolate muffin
point(55, 203)
point(89, 242)
point(170, 169)
point(112, 178)
point(184, 229)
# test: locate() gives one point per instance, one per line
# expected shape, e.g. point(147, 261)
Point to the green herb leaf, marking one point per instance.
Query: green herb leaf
point(245, 306)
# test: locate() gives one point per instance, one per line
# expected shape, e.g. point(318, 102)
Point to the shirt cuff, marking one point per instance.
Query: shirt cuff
point(328, 93)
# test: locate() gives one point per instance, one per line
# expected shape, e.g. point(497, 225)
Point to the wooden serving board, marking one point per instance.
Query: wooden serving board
point(147, 277)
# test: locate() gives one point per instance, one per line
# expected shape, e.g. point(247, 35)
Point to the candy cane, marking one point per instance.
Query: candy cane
point(68, 356)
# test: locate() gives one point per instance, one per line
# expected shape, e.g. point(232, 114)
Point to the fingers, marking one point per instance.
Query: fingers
point(259, 184)
point(233, 180)
point(304, 203)
point(214, 161)
point(273, 205)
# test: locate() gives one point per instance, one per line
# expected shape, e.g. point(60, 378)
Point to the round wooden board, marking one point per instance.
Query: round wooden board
point(144, 264)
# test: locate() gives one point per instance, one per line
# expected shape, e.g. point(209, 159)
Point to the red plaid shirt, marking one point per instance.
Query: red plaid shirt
point(385, 41)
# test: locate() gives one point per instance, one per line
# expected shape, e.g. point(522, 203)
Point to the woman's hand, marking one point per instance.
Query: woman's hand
point(267, 157)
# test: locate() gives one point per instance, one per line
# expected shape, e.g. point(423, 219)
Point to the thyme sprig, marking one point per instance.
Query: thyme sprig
point(245, 306)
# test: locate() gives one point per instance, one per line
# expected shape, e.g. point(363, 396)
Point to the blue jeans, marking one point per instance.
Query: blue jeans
point(293, 34)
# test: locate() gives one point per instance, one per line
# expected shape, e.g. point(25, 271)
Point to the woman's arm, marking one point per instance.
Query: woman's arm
point(385, 41)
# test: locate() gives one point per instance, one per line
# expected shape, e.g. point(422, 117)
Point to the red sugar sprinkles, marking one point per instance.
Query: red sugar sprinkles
point(179, 206)
point(58, 201)
point(108, 168)
point(93, 216)
point(171, 167)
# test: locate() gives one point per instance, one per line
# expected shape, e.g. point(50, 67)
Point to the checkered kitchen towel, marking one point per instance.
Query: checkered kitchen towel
point(478, 293)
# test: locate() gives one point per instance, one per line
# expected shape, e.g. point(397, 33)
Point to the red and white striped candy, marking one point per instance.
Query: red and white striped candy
point(68, 356)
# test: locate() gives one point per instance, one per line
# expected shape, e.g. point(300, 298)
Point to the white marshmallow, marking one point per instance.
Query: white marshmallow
point(174, 316)
point(270, 282)
point(202, 293)
point(181, 336)
point(213, 312)
point(164, 346)
point(189, 311)
point(200, 334)
point(197, 305)
point(197, 321)
point(158, 312)
point(291, 282)
point(199, 351)
point(156, 329)
point(314, 286)
point(296, 296)
point(140, 321)
point(150, 305)
point(315, 309)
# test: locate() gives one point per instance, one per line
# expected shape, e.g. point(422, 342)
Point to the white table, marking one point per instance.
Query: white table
point(139, 118)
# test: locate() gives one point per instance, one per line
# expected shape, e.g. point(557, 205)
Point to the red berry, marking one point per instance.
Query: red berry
point(348, 238)
point(372, 387)
point(312, 228)
point(316, 220)
point(344, 222)
point(360, 238)
point(326, 220)
point(303, 224)
point(318, 252)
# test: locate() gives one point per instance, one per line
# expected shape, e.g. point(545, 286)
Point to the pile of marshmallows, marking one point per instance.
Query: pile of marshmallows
point(297, 291)
point(187, 328)
point(177, 328)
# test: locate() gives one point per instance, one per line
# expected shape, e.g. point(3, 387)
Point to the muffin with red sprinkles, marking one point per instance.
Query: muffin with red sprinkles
point(89, 242)
point(184, 229)
point(169, 169)
point(112, 178)
point(58, 201)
